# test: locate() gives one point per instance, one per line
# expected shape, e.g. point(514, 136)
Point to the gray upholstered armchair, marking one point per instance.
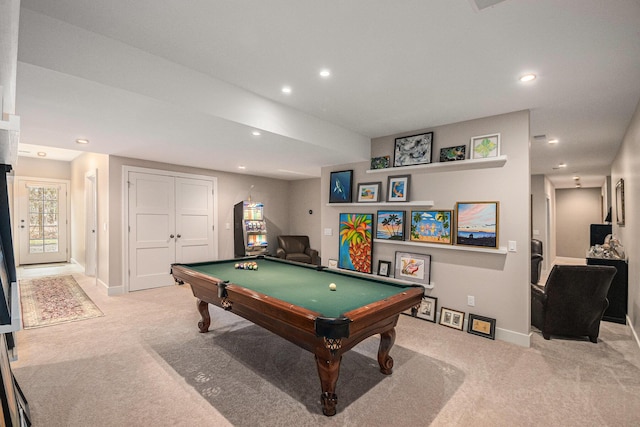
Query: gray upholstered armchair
point(296, 248)
point(573, 301)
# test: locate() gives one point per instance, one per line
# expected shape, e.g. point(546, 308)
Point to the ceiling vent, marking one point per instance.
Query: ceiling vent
point(479, 5)
point(540, 138)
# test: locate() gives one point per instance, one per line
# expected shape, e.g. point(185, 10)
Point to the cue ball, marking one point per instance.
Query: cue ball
point(332, 286)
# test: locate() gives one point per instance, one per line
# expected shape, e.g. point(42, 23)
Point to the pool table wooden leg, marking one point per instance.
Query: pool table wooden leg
point(203, 309)
point(387, 338)
point(328, 371)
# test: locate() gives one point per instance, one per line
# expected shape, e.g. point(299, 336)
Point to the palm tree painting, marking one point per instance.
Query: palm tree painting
point(431, 226)
point(355, 252)
point(390, 225)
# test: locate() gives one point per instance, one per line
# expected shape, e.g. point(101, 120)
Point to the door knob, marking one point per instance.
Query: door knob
point(171, 236)
point(179, 236)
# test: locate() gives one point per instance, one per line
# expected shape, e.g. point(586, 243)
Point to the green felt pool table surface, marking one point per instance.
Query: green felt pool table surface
point(303, 286)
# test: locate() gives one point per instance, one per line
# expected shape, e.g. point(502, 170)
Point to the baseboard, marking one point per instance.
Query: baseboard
point(523, 340)
point(111, 290)
point(633, 331)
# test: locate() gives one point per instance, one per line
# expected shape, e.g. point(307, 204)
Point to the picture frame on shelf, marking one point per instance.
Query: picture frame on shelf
point(477, 224)
point(431, 226)
point(620, 220)
point(413, 267)
point(333, 263)
point(452, 154)
point(340, 185)
point(482, 326)
point(428, 309)
point(452, 318)
point(369, 192)
point(398, 188)
point(381, 162)
point(384, 268)
point(356, 232)
point(413, 150)
point(485, 146)
point(390, 225)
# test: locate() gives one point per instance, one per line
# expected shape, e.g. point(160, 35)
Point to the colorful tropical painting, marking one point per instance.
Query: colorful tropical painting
point(431, 226)
point(356, 239)
point(485, 146)
point(477, 224)
point(390, 225)
point(381, 162)
point(451, 154)
point(340, 186)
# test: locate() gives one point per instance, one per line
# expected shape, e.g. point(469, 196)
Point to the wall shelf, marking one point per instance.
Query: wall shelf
point(494, 162)
point(397, 204)
point(499, 251)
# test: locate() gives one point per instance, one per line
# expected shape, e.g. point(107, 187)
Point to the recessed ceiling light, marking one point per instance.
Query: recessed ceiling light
point(578, 185)
point(255, 133)
point(528, 78)
point(562, 165)
point(286, 89)
point(553, 141)
point(242, 167)
point(42, 154)
point(576, 177)
point(325, 73)
point(82, 141)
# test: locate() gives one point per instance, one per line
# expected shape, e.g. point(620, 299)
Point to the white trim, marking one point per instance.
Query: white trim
point(517, 338)
point(633, 331)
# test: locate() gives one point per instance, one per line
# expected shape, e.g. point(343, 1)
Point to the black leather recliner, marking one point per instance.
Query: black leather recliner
point(573, 301)
point(296, 248)
point(536, 260)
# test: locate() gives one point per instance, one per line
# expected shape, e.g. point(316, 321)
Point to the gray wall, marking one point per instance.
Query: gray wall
point(576, 210)
point(305, 197)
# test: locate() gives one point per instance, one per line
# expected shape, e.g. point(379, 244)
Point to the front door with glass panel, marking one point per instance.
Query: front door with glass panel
point(42, 222)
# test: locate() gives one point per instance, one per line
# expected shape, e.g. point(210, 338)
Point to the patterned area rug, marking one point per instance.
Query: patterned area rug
point(53, 300)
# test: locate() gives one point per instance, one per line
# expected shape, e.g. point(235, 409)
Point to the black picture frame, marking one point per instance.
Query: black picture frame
point(452, 154)
point(391, 224)
point(341, 186)
point(428, 309)
point(413, 150)
point(482, 326)
point(384, 268)
point(452, 318)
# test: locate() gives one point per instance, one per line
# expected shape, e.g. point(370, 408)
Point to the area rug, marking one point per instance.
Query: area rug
point(255, 378)
point(53, 300)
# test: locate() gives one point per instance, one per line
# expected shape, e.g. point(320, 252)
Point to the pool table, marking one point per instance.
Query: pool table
point(293, 300)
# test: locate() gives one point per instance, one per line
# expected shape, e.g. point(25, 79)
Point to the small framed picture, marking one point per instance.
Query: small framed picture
point(485, 146)
point(477, 224)
point(413, 150)
point(451, 154)
point(452, 318)
point(431, 226)
point(414, 268)
point(369, 192)
point(384, 267)
point(381, 162)
point(398, 188)
point(390, 225)
point(333, 263)
point(428, 309)
point(340, 183)
point(483, 326)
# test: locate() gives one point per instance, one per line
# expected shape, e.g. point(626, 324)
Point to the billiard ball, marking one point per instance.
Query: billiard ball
point(332, 286)
point(237, 266)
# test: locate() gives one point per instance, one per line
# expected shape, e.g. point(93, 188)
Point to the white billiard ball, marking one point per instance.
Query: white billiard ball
point(332, 286)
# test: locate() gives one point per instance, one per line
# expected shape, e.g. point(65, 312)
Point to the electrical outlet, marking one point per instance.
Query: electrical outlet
point(471, 300)
point(328, 232)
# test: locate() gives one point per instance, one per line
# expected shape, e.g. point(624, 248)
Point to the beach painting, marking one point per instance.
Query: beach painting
point(431, 226)
point(477, 224)
point(390, 225)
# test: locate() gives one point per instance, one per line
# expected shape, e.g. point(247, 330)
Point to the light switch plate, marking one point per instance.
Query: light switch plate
point(512, 246)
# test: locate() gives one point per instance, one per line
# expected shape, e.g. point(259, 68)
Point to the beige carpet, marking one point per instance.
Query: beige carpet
point(53, 300)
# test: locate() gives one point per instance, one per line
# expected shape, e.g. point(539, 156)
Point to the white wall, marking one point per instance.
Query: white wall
point(500, 283)
point(576, 210)
point(305, 197)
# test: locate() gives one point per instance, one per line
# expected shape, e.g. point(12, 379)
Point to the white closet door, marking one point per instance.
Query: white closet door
point(194, 220)
point(152, 242)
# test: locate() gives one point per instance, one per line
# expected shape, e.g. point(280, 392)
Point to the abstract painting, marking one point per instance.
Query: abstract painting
point(413, 150)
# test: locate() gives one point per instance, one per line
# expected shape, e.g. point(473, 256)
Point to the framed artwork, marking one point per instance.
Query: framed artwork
point(483, 326)
point(356, 242)
point(428, 309)
point(398, 188)
point(620, 202)
point(341, 183)
point(381, 162)
point(477, 224)
point(333, 263)
point(414, 268)
point(431, 226)
point(413, 150)
point(451, 154)
point(384, 268)
point(369, 192)
point(452, 318)
point(485, 146)
point(390, 225)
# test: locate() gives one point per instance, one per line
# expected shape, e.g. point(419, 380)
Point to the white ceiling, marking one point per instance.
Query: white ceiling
point(396, 66)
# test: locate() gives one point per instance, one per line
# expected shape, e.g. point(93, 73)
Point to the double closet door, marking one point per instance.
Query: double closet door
point(170, 221)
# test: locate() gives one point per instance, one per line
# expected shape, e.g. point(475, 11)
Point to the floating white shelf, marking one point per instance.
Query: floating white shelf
point(493, 162)
point(499, 251)
point(431, 285)
point(416, 203)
